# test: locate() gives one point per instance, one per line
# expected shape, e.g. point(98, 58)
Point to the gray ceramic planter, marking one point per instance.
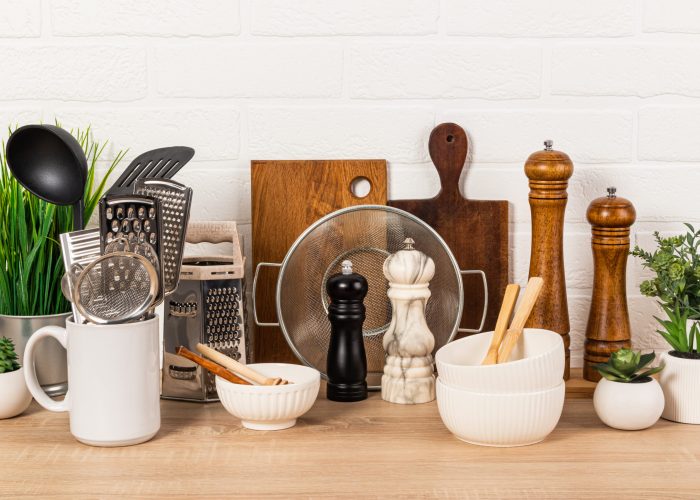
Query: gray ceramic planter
point(51, 357)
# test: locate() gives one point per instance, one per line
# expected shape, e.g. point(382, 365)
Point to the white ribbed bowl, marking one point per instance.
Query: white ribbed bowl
point(271, 407)
point(537, 363)
point(500, 419)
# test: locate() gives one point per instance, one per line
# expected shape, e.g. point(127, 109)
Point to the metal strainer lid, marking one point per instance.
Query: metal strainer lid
point(365, 235)
point(116, 288)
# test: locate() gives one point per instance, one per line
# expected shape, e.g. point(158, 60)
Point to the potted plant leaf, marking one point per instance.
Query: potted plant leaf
point(14, 395)
point(627, 397)
point(30, 260)
point(676, 286)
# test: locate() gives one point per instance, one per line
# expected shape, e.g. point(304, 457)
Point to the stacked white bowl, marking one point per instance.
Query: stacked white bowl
point(509, 404)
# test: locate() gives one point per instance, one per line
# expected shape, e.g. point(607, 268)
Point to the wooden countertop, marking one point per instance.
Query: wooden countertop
point(357, 450)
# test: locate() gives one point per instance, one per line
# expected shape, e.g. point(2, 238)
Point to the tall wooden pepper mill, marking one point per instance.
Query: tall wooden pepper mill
point(346, 362)
point(608, 320)
point(549, 172)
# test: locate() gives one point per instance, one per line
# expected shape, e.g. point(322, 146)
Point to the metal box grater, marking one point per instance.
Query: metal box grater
point(207, 307)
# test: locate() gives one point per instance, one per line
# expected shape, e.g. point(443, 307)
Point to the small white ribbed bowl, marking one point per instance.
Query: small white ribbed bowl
point(503, 420)
point(271, 407)
point(537, 363)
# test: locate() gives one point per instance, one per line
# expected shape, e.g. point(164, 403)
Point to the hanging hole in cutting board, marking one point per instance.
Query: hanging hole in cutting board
point(450, 138)
point(360, 187)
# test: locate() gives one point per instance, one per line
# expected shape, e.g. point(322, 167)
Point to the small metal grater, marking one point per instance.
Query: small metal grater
point(207, 307)
point(175, 200)
point(136, 217)
point(80, 247)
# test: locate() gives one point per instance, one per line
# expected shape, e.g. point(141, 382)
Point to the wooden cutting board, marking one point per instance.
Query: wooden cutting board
point(287, 197)
point(475, 230)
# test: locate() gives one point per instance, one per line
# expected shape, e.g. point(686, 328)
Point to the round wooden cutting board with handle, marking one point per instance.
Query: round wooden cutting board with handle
point(475, 230)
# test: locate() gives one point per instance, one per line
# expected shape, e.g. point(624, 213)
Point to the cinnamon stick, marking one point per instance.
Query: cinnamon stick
point(238, 368)
point(211, 366)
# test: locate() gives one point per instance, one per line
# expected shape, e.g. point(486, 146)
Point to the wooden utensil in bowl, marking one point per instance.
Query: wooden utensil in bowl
point(527, 303)
point(239, 368)
point(211, 366)
point(509, 300)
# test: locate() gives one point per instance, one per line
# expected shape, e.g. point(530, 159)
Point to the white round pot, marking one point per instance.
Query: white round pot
point(14, 395)
point(628, 406)
point(680, 381)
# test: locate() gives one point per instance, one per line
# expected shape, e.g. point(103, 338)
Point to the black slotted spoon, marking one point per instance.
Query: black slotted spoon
point(161, 163)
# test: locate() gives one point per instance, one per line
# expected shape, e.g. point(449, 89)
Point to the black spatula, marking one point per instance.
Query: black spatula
point(161, 163)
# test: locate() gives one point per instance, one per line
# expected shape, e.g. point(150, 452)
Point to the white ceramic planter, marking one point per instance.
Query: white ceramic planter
point(680, 381)
point(628, 406)
point(14, 395)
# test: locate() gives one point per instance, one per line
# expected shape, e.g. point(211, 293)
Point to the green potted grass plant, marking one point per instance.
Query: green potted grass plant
point(676, 286)
point(30, 260)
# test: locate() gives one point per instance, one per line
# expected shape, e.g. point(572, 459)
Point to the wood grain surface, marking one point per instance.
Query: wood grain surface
point(475, 230)
point(287, 197)
point(548, 172)
point(369, 449)
point(608, 328)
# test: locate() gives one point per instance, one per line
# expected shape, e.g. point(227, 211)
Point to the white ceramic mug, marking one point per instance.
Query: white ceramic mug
point(113, 380)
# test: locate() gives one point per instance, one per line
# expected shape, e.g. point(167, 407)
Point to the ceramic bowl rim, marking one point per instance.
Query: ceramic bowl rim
point(501, 394)
point(500, 366)
point(312, 378)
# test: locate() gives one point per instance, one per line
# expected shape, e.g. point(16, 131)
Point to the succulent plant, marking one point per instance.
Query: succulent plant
point(626, 365)
point(8, 356)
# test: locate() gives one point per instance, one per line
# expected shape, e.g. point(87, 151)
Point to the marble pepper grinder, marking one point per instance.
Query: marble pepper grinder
point(346, 363)
point(608, 326)
point(408, 373)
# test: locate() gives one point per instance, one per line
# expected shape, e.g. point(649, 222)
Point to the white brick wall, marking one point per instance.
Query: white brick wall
point(615, 84)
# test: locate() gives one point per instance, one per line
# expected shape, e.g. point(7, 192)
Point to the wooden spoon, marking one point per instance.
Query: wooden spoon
point(211, 366)
point(527, 303)
point(239, 368)
point(509, 299)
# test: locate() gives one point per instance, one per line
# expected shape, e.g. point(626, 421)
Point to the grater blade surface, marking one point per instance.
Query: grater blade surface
point(80, 248)
point(175, 200)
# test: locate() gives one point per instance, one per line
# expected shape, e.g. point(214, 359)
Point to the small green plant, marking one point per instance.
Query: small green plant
point(30, 252)
point(676, 263)
point(8, 356)
point(626, 365)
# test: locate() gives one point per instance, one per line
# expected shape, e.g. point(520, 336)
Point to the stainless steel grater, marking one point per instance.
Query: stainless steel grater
point(207, 307)
point(81, 248)
point(175, 200)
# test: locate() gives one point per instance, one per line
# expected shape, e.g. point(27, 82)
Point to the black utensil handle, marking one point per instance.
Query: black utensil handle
point(78, 215)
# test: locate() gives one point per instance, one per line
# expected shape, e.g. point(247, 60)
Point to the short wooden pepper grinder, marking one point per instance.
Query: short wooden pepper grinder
point(408, 372)
point(346, 362)
point(608, 320)
point(549, 172)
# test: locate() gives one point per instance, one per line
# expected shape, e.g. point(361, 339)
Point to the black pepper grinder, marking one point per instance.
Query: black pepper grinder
point(346, 363)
